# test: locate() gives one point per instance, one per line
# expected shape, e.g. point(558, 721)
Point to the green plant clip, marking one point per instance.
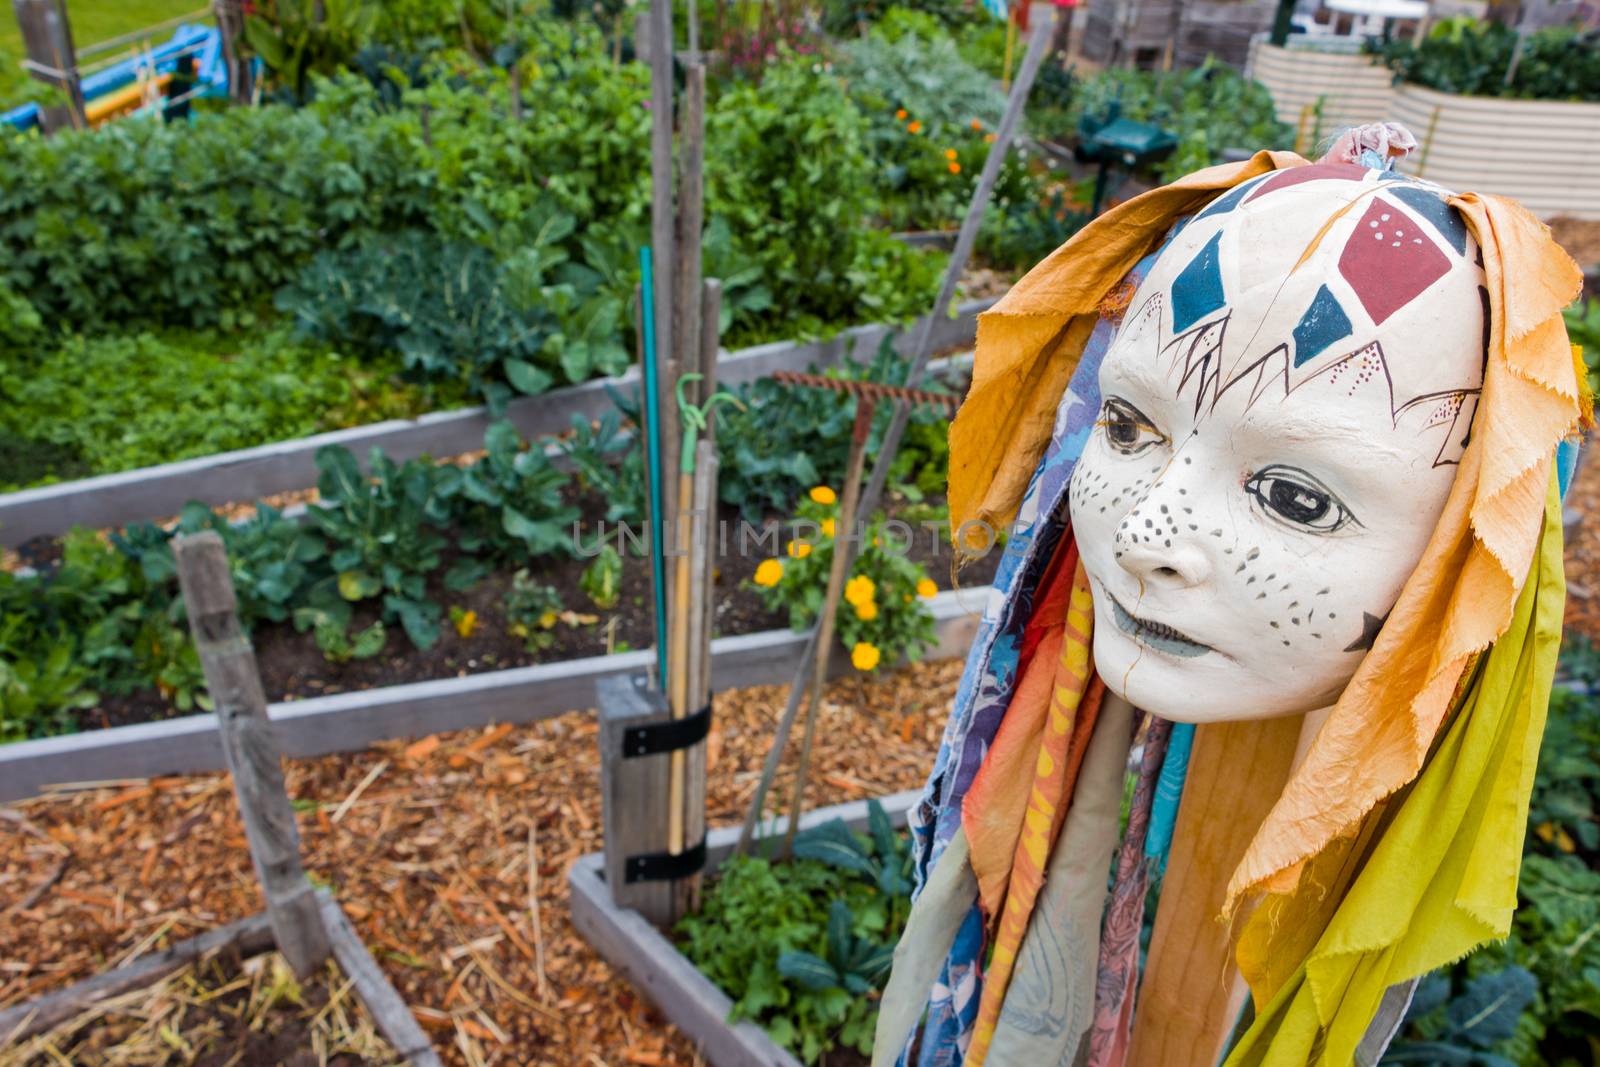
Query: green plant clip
point(694, 418)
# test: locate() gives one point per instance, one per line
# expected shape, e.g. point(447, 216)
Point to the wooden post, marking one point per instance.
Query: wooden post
point(686, 325)
point(632, 790)
point(230, 27)
point(249, 749)
point(51, 58)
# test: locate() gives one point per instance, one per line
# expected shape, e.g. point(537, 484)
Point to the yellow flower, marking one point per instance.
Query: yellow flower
point(797, 549)
point(864, 657)
point(769, 573)
point(867, 611)
point(955, 168)
point(926, 588)
point(915, 127)
point(823, 495)
point(859, 590)
point(828, 527)
point(950, 153)
point(547, 620)
point(988, 138)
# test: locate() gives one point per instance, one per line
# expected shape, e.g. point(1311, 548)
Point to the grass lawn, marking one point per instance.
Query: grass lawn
point(92, 20)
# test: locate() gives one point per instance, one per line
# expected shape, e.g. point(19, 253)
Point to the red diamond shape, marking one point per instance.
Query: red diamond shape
point(1390, 260)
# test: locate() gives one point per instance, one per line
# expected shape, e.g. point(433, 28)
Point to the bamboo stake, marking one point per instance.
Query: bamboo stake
point(1038, 45)
point(844, 531)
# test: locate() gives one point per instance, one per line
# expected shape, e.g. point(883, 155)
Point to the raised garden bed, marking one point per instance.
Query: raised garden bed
point(648, 957)
point(153, 492)
point(354, 720)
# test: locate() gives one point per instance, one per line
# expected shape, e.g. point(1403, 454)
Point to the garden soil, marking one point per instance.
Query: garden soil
point(449, 855)
point(293, 668)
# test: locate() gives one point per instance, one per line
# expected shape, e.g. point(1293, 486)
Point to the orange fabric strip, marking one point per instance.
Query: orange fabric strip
point(1073, 707)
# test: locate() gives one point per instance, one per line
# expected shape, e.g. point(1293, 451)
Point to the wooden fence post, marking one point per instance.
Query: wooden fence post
point(230, 26)
point(47, 39)
point(250, 750)
point(638, 736)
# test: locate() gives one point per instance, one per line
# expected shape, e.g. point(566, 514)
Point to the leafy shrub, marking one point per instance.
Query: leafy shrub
point(881, 616)
point(925, 75)
point(446, 307)
point(193, 224)
point(298, 38)
point(803, 946)
point(71, 412)
point(1467, 56)
point(1209, 108)
point(787, 168)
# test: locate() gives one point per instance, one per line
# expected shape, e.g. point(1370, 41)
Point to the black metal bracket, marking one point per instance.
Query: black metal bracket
point(665, 866)
point(670, 735)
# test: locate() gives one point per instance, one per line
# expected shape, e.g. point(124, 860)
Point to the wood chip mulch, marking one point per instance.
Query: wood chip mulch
point(1583, 549)
point(449, 854)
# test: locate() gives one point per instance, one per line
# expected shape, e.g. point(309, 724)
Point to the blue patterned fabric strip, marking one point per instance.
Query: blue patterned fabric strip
point(986, 687)
point(1169, 790)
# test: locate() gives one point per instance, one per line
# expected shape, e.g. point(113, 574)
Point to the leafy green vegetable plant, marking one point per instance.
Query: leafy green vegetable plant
point(803, 947)
point(384, 535)
point(510, 501)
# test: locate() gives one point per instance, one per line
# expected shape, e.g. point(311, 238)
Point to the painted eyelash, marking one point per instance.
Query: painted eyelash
point(1131, 414)
point(1294, 476)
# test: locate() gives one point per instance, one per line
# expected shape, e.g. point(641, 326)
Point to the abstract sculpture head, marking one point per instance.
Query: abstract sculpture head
point(1283, 409)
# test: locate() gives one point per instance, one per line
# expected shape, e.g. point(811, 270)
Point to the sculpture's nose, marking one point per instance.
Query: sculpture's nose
point(1156, 546)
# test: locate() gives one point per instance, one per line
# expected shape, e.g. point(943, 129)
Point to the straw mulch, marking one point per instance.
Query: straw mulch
point(448, 853)
point(220, 1011)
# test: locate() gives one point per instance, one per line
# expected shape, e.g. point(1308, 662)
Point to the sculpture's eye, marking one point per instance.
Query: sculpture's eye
point(1297, 498)
point(1128, 429)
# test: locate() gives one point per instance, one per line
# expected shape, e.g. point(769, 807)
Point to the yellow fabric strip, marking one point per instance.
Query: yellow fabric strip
point(1440, 877)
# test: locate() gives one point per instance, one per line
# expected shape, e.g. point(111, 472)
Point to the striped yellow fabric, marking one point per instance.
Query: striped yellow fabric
point(1069, 722)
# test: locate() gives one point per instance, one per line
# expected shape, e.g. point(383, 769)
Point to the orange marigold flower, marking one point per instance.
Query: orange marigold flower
point(901, 114)
point(950, 153)
point(988, 138)
point(915, 127)
point(977, 124)
point(955, 168)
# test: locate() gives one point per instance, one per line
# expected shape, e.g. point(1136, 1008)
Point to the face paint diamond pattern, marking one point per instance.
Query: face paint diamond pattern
point(1323, 323)
point(1197, 290)
point(1390, 260)
point(1443, 217)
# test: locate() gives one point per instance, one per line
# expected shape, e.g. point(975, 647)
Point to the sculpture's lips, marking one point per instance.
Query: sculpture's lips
point(1156, 635)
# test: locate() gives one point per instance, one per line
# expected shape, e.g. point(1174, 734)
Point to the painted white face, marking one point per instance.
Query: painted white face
point(1278, 436)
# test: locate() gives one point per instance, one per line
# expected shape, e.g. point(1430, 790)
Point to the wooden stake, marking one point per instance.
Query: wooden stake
point(690, 222)
point(844, 531)
point(250, 751)
point(51, 58)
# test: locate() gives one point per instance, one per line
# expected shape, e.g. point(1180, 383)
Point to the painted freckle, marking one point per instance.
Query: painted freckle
point(1240, 569)
point(1274, 625)
point(1254, 552)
